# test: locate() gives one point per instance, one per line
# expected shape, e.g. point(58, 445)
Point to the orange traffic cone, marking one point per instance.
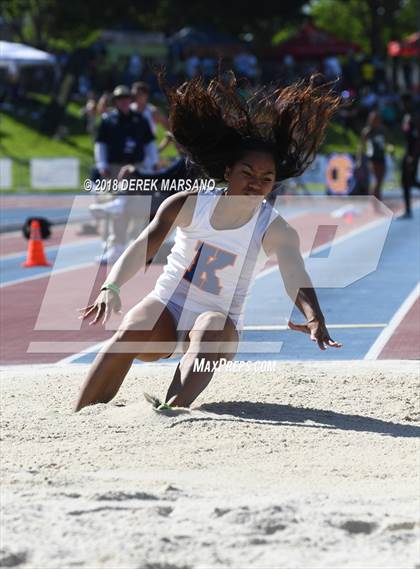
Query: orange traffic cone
point(36, 254)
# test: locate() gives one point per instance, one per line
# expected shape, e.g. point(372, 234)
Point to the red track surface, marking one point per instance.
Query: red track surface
point(20, 306)
point(404, 343)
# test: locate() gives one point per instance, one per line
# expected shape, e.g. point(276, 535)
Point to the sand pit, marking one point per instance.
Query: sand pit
point(311, 466)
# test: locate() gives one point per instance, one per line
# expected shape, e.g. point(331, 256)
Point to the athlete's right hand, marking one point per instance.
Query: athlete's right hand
point(106, 303)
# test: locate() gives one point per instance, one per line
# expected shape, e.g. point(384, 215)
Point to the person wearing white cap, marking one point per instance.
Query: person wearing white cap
point(124, 137)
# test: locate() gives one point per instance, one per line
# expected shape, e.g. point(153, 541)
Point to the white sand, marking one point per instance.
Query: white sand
point(311, 466)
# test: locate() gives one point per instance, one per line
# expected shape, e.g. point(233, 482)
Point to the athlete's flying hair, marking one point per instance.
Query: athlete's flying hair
point(215, 124)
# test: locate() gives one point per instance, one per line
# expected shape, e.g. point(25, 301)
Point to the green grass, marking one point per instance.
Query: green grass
point(340, 139)
point(21, 139)
point(21, 143)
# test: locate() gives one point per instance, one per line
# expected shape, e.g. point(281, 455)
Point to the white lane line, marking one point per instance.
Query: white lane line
point(332, 326)
point(395, 321)
point(47, 274)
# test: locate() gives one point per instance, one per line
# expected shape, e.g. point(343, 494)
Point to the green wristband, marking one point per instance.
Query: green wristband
point(113, 287)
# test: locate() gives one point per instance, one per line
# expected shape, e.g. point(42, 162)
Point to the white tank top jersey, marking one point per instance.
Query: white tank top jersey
point(213, 269)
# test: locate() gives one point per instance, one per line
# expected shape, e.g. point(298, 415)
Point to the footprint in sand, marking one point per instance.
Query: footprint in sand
point(120, 496)
point(401, 526)
point(164, 511)
point(269, 528)
point(12, 559)
point(358, 526)
point(219, 512)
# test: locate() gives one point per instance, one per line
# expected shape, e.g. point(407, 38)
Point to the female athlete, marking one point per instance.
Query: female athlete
point(223, 237)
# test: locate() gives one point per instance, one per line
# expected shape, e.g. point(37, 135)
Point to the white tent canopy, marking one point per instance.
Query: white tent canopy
point(17, 55)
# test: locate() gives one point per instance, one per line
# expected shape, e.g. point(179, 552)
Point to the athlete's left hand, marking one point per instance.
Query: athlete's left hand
point(318, 332)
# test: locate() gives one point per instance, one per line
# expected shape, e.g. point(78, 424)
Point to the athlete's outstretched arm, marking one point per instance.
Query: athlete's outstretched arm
point(175, 211)
point(283, 241)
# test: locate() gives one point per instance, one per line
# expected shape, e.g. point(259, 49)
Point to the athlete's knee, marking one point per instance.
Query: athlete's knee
point(209, 325)
point(214, 331)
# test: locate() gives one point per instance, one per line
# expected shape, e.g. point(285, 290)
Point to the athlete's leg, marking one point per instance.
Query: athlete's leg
point(407, 181)
point(379, 175)
point(415, 170)
point(147, 323)
point(212, 338)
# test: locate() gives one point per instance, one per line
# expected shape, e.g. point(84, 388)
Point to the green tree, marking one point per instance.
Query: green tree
point(49, 23)
point(370, 23)
point(46, 23)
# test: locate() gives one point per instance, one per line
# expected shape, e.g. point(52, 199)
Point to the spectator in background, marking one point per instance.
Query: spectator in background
point(141, 93)
point(411, 130)
point(104, 104)
point(373, 141)
point(368, 101)
point(389, 109)
point(124, 137)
